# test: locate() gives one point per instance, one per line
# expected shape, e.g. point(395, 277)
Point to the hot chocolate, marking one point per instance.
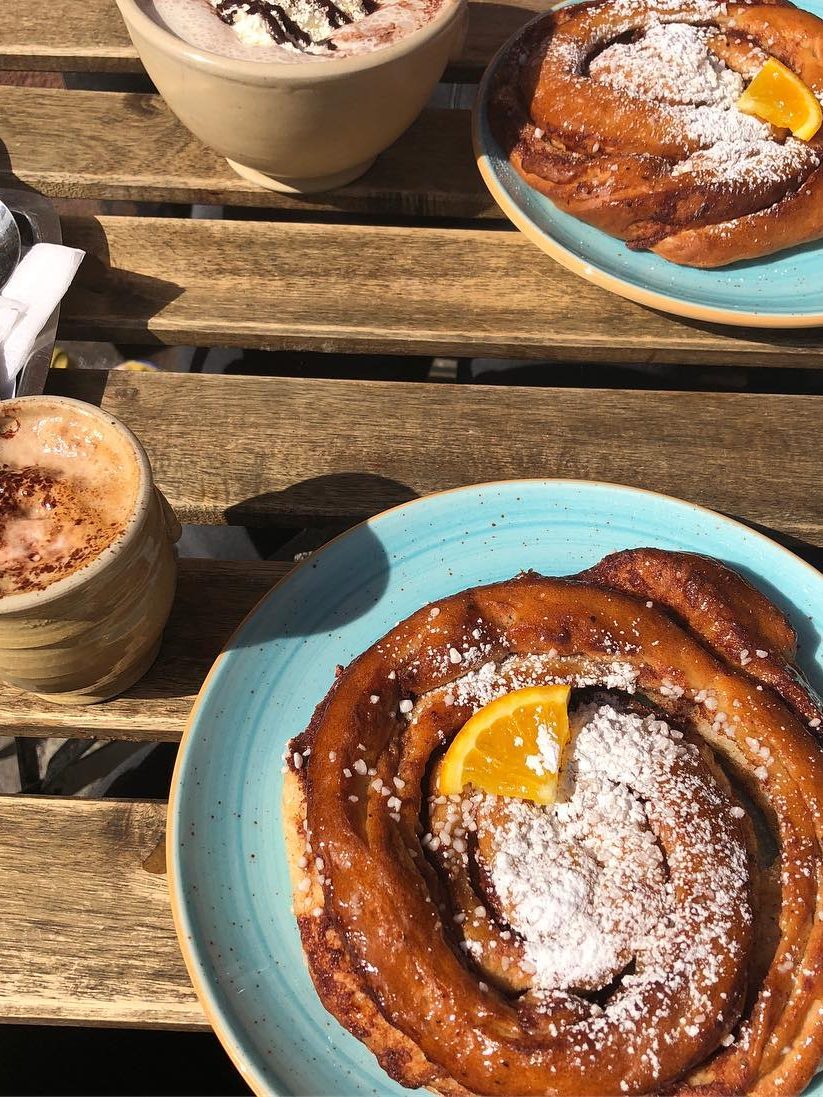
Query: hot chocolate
point(298, 95)
point(291, 30)
point(67, 492)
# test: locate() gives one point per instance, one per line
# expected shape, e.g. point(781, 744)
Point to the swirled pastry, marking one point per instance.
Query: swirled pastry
point(658, 927)
point(624, 113)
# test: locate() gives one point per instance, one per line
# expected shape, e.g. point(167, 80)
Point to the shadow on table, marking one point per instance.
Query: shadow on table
point(489, 26)
point(104, 293)
point(338, 500)
point(351, 583)
point(101, 290)
point(801, 337)
point(335, 499)
point(7, 176)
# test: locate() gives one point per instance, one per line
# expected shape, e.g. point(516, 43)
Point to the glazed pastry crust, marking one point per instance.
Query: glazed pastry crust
point(694, 631)
point(338, 984)
point(615, 160)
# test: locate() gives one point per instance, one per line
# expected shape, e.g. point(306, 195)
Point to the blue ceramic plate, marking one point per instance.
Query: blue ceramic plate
point(784, 290)
point(228, 875)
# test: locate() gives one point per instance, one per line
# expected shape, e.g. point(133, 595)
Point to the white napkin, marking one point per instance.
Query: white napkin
point(10, 313)
point(27, 301)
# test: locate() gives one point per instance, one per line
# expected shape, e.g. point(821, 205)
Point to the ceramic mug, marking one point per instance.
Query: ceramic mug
point(298, 127)
point(92, 634)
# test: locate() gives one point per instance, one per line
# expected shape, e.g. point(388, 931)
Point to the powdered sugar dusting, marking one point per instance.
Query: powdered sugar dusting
point(584, 882)
point(492, 680)
point(738, 161)
point(703, 11)
point(673, 64)
point(547, 759)
point(586, 897)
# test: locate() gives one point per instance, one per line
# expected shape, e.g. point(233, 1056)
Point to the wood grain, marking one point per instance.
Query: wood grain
point(375, 289)
point(212, 599)
point(109, 145)
point(335, 451)
point(64, 34)
point(86, 934)
point(287, 451)
point(90, 36)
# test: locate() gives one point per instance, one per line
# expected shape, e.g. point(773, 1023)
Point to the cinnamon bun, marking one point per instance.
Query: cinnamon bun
point(658, 927)
point(624, 113)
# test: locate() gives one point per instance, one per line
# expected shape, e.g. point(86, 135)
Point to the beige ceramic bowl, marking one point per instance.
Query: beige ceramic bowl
point(305, 126)
point(93, 634)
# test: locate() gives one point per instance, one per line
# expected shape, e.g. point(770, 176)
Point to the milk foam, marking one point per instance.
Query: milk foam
point(196, 22)
point(67, 492)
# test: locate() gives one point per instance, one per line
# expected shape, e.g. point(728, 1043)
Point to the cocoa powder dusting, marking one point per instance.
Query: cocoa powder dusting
point(48, 530)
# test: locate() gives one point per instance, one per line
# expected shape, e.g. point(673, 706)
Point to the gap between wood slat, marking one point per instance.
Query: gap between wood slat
point(371, 289)
point(90, 36)
point(284, 451)
point(292, 451)
point(86, 933)
point(111, 145)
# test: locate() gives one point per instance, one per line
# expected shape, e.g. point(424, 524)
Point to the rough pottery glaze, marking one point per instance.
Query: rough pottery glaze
point(94, 631)
point(300, 127)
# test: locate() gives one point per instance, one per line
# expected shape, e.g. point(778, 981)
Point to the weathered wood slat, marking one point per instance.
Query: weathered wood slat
point(65, 35)
point(286, 451)
point(212, 599)
point(324, 451)
point(109, 145)
point(91, 37)
point(86, 933)
point(374, 289)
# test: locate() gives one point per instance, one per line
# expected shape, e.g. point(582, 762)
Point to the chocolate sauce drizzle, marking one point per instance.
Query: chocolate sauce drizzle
point(281, 26)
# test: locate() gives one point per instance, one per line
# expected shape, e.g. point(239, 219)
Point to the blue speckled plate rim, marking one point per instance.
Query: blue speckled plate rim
point(232, 1042)
point(485, 151)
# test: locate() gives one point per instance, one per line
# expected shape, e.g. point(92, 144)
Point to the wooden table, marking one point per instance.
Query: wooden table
point(412, 259)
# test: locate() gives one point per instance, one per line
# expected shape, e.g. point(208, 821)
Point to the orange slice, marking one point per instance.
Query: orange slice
point(778, 96)
point(511, 747)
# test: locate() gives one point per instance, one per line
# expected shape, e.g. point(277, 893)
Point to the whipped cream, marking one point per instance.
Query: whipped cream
point(292, 30)
point(296, 23)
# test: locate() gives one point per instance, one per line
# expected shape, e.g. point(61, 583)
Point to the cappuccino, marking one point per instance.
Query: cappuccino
point(290, 30)
point(67, 492)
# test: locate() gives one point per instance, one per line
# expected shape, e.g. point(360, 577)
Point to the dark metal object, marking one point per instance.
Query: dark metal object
point(38, 223)
point(28, 765)
point(10, 244)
